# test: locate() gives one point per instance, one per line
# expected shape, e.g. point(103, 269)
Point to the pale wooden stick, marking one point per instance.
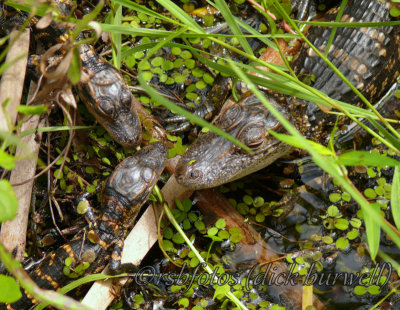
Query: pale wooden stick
point(12, 81)
point(13, 233)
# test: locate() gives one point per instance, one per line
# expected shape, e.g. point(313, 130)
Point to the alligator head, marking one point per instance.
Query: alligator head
point(212, 160)
point(108, 98)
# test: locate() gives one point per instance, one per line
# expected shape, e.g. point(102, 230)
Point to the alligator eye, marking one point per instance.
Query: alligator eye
point(253, 136)
point(123, 181)
point(195, 174)
point(147, 175)
point(106, 106)
point(232, 115)
point(126, 97)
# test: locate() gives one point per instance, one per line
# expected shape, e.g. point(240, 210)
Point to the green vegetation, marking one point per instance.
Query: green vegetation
point(176, 50)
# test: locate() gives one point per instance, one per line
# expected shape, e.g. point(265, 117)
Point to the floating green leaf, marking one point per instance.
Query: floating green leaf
point(360, 290)
point(342, 243)
point(352, 234)
point(221, 291)
point(341, 224)
point(212, 231)
point(220, 223)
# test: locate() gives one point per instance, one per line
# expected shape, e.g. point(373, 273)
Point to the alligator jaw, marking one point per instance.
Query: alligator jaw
point(212, 160)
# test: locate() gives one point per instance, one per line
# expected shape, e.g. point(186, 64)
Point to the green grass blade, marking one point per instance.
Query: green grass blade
point(365, 158)
point(294, 142)
point(262, 38)
point(385, 133)
point(142, 9)
point(230, 19)
point(372, 228)
point(395, 198)
point(162, 43)
point(333, 32)
point(181, 15)
point(348, 25)
point(116, 37)
point(135, 31)
point(52, 129)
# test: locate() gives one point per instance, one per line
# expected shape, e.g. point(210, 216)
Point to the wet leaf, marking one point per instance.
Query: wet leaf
point(342, 243)
point(333, 211)
point(370, 193)
point(82, 207)
point(341, 224)
point(366, 158)
point(221, 291)
point(355, 222)
point(212, 231)
point(220, 223)
point(374, 290)
point(186, 204)
point(168, 245)
point(178, 239)
point(360, 290)
point(200, 225)
point(223, 234)
point(327, 239)
point(168, 233)
point(183, 302)
point(352, 234)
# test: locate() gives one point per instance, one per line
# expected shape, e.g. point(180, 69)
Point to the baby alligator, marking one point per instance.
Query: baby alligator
point(108, 98)
point(89, 251)
point(368, 57)
point(105, 93)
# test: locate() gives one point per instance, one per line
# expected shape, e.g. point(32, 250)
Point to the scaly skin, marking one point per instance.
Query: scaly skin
point(101, 242)
point(368, 57)
point(108, 99)
point(105, 93)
